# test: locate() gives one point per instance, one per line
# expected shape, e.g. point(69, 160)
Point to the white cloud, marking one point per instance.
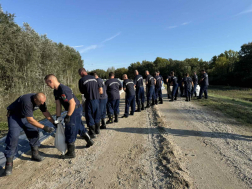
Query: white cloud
point(92, 47)
point(171, 27)
point(185, 23)
point(77, 46)
point(114, 36)
point(244, 12)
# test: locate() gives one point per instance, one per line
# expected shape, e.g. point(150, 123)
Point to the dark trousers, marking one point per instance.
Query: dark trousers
point(130, 102)
point(113, 107)
point(75, 126)
point(151, 93)
point(175, 90)
point(188, 91)
point(158, 93)
point(194, 89)
point(92, 112)
point(102, 107)
point(140, 95)
point(203, 89)
point(16, 124)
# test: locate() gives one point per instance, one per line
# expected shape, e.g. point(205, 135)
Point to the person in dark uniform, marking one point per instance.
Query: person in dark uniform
point(182, 87)
point(168, 82)
point(102, 100)
point(195, 83)
point(150, 86)
point(128, 87)
point(188, 83)
point(174, 81)
point(73, 123)
point(92, 90)
point(113, 87)
point(203, 84)
point(138, 80)
point(20, 116)
point(158, 88)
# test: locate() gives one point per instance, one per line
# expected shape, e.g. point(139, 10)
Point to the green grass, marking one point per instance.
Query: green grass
point(232, 101)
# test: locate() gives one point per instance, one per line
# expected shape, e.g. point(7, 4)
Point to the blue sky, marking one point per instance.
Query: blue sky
point(119, 32)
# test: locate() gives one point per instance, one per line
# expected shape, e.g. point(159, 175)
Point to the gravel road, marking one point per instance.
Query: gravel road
point(173, 145)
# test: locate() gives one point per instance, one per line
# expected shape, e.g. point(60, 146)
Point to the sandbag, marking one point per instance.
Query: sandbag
point(60, 139)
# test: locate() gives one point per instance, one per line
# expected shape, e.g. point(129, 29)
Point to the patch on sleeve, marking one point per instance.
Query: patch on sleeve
point(63, 96)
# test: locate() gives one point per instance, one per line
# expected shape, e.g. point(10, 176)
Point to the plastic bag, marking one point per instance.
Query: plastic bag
point(60, 142)
point(197, 90)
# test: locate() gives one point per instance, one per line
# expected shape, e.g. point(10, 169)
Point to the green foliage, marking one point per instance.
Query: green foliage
point(26, 57)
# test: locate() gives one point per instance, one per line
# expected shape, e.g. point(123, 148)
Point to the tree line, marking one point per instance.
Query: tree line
point(26, 57)
point(229, 68)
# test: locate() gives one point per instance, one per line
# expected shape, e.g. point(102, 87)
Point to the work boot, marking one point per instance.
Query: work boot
point(148, 104)
point(175, 98)
point(8, 166)
point(110, 119)
point(116, 118)
point(142, 106)
point(91, 131)
point(103, 124)
point(138, 108)
point(169, 96)
point(97, 128)
point(161, 101)
point(156, 102)
point(153, 102)
point(88, 139)
point(35, 154)
point(70, 151)
point(172, 98)
point(124, 116)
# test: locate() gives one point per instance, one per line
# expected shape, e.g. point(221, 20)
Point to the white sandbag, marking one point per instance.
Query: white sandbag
point(197, 90)
point(60, 140)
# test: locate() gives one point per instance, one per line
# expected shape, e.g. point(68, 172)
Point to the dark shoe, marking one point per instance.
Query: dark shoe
point(138, 109)
point(142, 106)
point(88, 139)
point(116, 118)
point(35, 154)
point(131, 113)
point(70, 151)
point(175, 98)
point(161, 101)
point(97, 128)
point(103, 124)
point(172, 98)
point(148, 105)
point(169, 96)
point(91, 131)
point(110, 119)
point(186, 99)
point(156, 102)
point(8, 166)
point(189, 98)
point(124, 116)
point(153, 102)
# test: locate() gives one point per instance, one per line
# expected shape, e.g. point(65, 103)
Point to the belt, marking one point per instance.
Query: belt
point(78, 106)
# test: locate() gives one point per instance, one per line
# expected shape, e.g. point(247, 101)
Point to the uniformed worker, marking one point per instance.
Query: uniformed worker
point(138, 80)
point(113, 90)
point(195, 83)
point(73, 123)
point(102, 100)
point(20, 116)
point(169, 86)
point(203, 84)
point(89, 86)
point(150, 86)
point(158, 88)
point(174, 81)
point(188, 83)
point(128, 87)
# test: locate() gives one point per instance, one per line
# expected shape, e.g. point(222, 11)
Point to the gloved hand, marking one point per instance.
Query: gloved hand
point(48, 129)
point(67, 119)
point(55, 125)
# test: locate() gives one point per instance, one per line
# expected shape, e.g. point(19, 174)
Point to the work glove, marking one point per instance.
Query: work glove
point(67, 119)
point(48, 129)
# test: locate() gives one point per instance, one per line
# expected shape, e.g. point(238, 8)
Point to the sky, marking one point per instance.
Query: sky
point(120, 32)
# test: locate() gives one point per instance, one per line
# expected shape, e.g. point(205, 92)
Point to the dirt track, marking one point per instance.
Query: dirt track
point(174, 145)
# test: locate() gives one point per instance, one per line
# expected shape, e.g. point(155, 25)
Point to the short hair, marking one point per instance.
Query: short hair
point(49, 76)
point(172, 72)
point(111, 74)
point(203, 70)
point(81, 70)
point(187, 74)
